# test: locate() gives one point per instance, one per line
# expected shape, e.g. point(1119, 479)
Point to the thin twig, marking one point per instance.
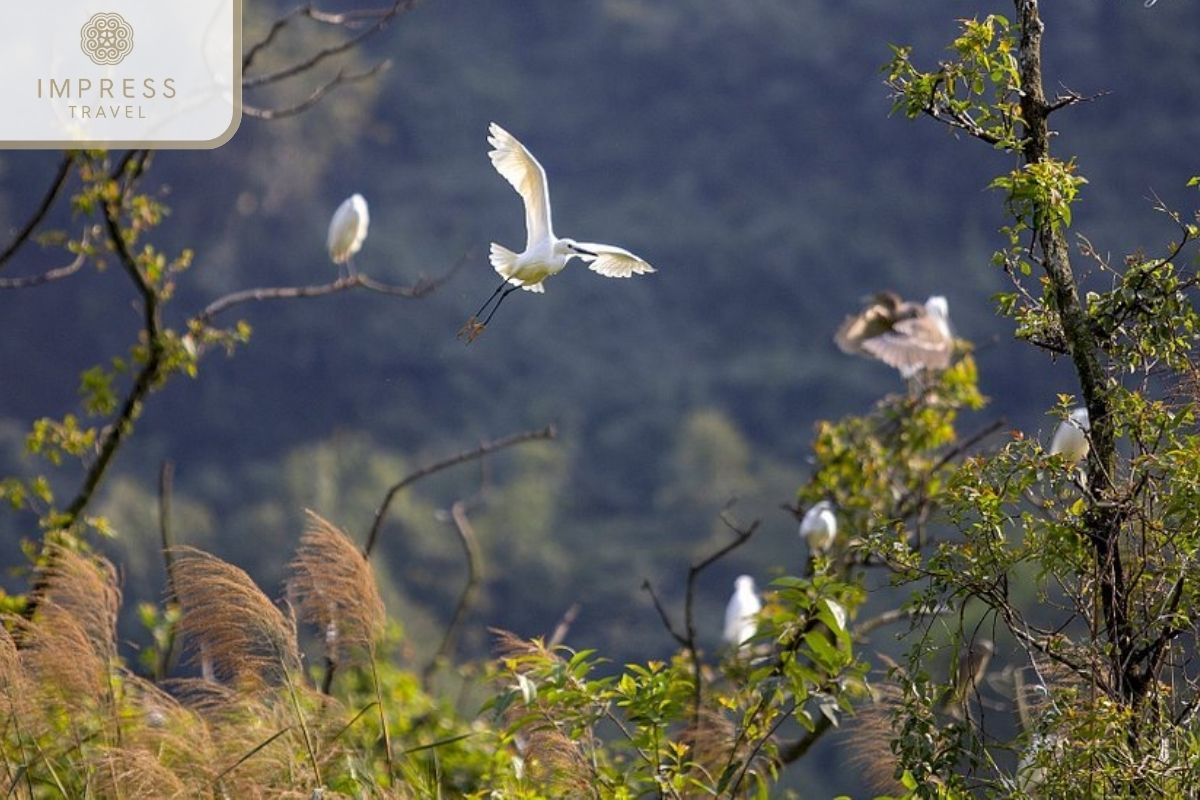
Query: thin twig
point(548, 432)
point(56, 274)
point(56, 184)
point(470, 545)
point(563, 627)
point(146, 377)
point(340, 79)
point(166, 482)
point(422, 287)
point(316, 58)
point(687, 639)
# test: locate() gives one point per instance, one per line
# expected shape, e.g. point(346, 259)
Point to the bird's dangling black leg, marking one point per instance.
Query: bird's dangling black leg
point(503, 283)
point(496, 307)
point(473, 327)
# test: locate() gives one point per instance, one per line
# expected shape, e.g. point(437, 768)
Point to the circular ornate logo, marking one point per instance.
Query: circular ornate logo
point(106, 38)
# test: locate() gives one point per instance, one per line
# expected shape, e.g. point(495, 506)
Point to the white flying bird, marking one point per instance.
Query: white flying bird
point(905, 335)
point(347, 231)
point(545, 254)
point(740, 622)
point(1070, 439)
point(819, 527)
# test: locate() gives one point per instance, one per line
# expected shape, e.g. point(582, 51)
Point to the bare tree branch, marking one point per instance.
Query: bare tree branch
point(470, 545)
point(563, 627)
point(421, 288)
point(56, 274)
point(57, 182)
point(687, 639)
point(548, 432)
point(321, 55)
point(342, 78)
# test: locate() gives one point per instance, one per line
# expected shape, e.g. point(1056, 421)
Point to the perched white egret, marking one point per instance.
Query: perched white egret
point(907, 336)
point(740, 615)
point(545, 254)
point(347, 231)
point(1070, 439)
point(819, 527)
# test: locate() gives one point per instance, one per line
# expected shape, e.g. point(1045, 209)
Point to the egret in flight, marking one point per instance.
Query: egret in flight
point(347, 231)
point(819, 527)
point(740, 622)
point(545, 254)
point(1070, 439)
point(904, 335)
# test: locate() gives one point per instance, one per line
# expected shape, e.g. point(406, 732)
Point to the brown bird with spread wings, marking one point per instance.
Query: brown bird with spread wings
point(907, 336)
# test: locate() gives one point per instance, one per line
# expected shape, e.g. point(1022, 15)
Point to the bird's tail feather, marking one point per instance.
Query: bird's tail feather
point(503, 259)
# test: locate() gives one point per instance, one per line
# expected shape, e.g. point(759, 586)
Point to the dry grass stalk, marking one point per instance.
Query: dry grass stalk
point(225, 615)
point(334, 588)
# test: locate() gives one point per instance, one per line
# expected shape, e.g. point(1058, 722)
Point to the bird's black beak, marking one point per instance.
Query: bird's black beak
point(581, 251)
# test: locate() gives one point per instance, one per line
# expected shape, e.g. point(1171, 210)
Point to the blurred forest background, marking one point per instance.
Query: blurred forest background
point(744, 149)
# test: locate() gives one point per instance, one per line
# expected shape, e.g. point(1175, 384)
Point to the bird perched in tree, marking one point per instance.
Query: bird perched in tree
point(972, 666)
point(545, 254)
point(1070, 439)
point(819, 527)
point(907, 336)
point(347, 231)
point(740, 615)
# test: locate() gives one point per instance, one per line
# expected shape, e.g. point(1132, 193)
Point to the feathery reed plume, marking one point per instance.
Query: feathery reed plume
point(12, 677)
point(86, 589)
point(334, 588)
point(61, 659)
point(16, 704)
point(69, 646)
point(121, 772)
point(524, 655)
point(558, 762)
point(228, 617)
point(709, 740)
point(178, 737)
point(869, 738)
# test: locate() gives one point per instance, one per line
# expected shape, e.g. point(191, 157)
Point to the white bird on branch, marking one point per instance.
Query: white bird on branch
point(545, 254)
point(819, 527)
point(1070, 439)
point(740, 615)
point(904, 335)
point(347, 231)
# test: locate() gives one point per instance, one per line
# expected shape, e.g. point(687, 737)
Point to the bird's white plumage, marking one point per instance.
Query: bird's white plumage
point(741, 612)
point(348, 229)
point(612, 262)
point(819, 527)
point(518, 166)
point(1070, 439)
point(545, 254)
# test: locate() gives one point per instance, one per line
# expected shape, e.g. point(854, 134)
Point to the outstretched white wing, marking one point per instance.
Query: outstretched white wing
point(612, 262)
point(522, 170)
